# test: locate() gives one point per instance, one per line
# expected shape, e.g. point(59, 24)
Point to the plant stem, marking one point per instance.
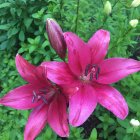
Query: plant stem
point(106, 17)
point(61, 6)
point(122, 38)
point(77, 13)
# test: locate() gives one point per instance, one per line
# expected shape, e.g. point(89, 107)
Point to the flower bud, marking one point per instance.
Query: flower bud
point(133, 23)
point(107, 7)
point(135, 3)
point(56, 38)
point(135, 123)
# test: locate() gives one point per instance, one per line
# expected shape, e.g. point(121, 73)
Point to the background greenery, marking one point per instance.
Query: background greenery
point(22, 30)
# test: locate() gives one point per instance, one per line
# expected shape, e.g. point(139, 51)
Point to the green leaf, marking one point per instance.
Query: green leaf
point(12, 32)
point(6, 4)
point(21, 36)
point(32, 48)
point(30, 40)
point(45, 43)
point(93, 135)
point(27, 22)
point(4, 45)
point(37, 59)
point(37, 39)
point(36, 15)
point(21, 50)
point(4, 27)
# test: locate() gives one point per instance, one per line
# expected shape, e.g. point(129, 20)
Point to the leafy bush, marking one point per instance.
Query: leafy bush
point(22, 30)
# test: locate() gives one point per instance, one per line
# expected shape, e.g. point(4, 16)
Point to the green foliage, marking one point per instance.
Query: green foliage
point(93, 135)
point(22, 30)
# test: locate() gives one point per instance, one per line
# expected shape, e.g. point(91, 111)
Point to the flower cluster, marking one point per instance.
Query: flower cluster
point(78, 84)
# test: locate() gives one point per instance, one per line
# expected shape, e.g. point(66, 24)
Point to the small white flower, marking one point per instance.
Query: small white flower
point(135, 123)
point(133, 23)
point(135, 3)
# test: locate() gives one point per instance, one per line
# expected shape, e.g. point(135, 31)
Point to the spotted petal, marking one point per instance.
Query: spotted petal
point(78, 53)
point(58, 72)
point(114, 69)
point(29, 72)
point(57, 116)
point(81, 105)
point(20, 98)
point(112, 100)
point(99, 43)
point(36, 122)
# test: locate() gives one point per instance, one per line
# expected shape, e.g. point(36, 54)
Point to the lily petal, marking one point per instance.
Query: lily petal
point(58, 72)
point(81, 105)
point(114, 69)
point(78, 53)
point(29, 72)
point(57, 116)
point(36, 122)
point(99, 43)
point(112, 100)
point(20, 98)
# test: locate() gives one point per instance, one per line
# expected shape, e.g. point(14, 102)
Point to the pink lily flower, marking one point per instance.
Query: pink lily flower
point(87, 76)
point(46, 100)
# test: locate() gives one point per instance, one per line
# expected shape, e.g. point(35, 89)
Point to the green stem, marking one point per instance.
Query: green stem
point(77, 13)
point(121, 38)
point(61, 6)
point(133, 134)
point(106, 16)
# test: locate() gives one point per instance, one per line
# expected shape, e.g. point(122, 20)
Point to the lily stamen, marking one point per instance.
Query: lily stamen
point(91, 77)
point(40, 96)
point(93, 71)
point(44, 99)
point(33, 99)
point(34, 93)
point(87, 69)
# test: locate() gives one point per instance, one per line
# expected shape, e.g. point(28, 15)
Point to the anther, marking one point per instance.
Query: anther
point(87, 69)
point(97, 73)
point(34, 93)
point(34, 96)
point(33, 99)
point(91, 76)
point(43, 98)
point(43, 90)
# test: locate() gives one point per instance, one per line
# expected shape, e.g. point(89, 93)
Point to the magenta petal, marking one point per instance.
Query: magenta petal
point(112, 100)
point(20, 98)
point(36, 122)
point(25, 68)
point(78, 53)
point(99, 43)
point(29, 72)
point(81, 105)
point(57, 116)
point(114, 69)
point(58, 72)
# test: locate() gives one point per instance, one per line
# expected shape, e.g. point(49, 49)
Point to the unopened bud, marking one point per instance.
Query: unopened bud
point(135, 123)
point(135, 3)
point(107, 8)
point(56, 38)
point(133, 23)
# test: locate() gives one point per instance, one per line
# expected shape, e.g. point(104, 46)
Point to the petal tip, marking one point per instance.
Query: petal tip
point(66, 134)
point(123, 117)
